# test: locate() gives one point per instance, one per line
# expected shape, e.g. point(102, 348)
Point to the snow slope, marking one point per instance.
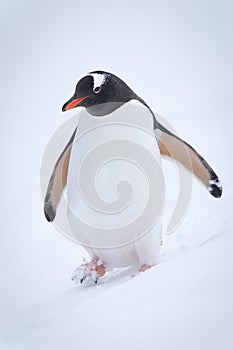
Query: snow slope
point(183, 70)
point(185, 302)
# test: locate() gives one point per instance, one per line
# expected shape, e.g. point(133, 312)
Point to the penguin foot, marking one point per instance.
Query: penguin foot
point(143, 268)
point(91, 271)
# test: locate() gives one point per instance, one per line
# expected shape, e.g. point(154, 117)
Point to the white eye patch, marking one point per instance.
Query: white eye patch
point(98, 81)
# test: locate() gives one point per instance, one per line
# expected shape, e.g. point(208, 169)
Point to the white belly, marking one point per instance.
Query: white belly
point(143, 251)
point(112, 221)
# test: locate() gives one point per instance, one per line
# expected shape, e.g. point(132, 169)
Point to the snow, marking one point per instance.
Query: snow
point(183, 70)
point(183, 302)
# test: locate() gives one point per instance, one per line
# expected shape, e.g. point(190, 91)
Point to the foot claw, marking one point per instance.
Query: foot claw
point(91, 271)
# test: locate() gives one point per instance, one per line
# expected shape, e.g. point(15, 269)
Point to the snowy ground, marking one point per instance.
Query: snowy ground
point(188, 296)
point(185, 302)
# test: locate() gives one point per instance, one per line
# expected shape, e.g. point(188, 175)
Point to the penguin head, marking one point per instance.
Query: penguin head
point(100, 92)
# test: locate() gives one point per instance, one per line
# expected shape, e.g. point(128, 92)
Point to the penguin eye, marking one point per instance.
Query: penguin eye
point(97, 89)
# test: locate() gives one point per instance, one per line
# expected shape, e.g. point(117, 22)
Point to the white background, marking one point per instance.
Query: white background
point(178, 56)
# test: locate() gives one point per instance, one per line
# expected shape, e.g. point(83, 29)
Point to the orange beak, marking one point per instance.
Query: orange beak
point(73, 103)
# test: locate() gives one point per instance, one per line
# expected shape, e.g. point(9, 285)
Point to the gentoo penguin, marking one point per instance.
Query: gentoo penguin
point(101, 94)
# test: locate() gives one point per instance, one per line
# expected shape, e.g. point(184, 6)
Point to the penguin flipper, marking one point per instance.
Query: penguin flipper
point(57, 181)
point(172, 146)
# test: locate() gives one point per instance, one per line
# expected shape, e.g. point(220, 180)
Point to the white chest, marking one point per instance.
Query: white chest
point(115, 185)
